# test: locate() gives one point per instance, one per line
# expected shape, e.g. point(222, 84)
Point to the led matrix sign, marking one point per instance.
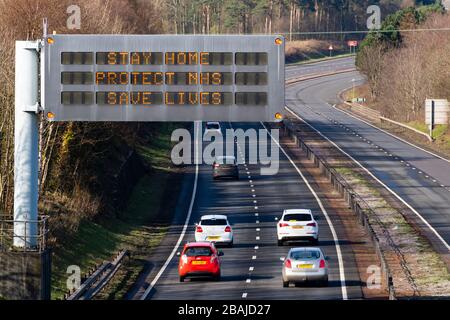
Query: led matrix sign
point(163, 78)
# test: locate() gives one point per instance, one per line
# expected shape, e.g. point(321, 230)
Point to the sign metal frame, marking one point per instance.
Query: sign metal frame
point(51, 68)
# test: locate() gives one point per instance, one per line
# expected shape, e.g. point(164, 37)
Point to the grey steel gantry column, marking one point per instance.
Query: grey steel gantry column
point(26, 144)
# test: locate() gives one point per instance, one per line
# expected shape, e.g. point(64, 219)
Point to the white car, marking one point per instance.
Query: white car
point(305, 264)
point(214, 228)
point(297, 224)
point(212, 128)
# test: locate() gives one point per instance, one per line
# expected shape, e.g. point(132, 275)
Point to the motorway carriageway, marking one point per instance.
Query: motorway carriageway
point(320, 67)
point(251, 269)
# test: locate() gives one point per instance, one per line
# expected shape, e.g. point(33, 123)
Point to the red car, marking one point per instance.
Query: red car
point(199, 259)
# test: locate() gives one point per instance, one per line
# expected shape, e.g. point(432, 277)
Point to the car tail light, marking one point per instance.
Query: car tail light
point(284, 224)
point(288, 264)
point(312, 224)
point(228, 229)
point(198, 229)
point(322, 264)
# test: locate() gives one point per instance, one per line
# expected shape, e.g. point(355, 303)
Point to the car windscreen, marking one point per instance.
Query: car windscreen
point(198, 251)
point(305, 255)
point(213, 222)
point(298, 217)
point(213, 126)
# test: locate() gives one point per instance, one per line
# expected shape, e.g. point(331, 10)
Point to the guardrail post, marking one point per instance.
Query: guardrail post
point(26, 144)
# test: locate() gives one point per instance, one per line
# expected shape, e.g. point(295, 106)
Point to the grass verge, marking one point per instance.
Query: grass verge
point(426, 266)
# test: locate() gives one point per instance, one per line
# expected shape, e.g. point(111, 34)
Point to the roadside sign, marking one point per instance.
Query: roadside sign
point(352, 43)
point(163, 77)
point(437, 111)
point(359, 100)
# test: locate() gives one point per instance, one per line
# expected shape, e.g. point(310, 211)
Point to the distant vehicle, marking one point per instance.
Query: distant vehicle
point(303, 265)
point(199, 259)
point(297, 224)
point(214, 228)
point(212, 128)
point(225, 167)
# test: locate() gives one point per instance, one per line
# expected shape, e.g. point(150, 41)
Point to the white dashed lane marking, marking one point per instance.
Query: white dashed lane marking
point(249, 280)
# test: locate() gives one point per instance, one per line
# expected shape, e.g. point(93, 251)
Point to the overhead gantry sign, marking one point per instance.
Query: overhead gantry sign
point(163, 78)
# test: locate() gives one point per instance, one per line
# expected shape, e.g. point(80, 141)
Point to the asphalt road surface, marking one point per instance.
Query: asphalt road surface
point(252, 268)
point(420, 179)
point(295, 71)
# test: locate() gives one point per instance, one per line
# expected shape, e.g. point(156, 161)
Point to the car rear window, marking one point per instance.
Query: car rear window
point(198, 251)
point(298, 217)
point(212, 126)
point(213, 222)
point(305, 255)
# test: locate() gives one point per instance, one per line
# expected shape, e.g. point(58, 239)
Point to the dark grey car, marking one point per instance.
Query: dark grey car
point(225, 167)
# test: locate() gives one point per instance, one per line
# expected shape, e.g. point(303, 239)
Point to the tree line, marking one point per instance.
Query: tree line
point(289, 17)
point(418, 60)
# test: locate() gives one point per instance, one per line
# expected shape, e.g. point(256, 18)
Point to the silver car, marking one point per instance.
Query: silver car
point(305, 264)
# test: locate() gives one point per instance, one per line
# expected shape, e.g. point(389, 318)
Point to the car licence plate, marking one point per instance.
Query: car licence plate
point(213, 238)
point(198, 262)
point(304, 266)
point(297, 227)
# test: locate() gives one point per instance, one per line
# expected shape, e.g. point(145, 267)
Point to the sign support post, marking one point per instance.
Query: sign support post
point(432, 119)
point(26, 144)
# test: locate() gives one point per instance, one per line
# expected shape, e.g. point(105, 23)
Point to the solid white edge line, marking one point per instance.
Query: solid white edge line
point(325, 213)
point(390, 134)
point(378, 180)
point(186, 223)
